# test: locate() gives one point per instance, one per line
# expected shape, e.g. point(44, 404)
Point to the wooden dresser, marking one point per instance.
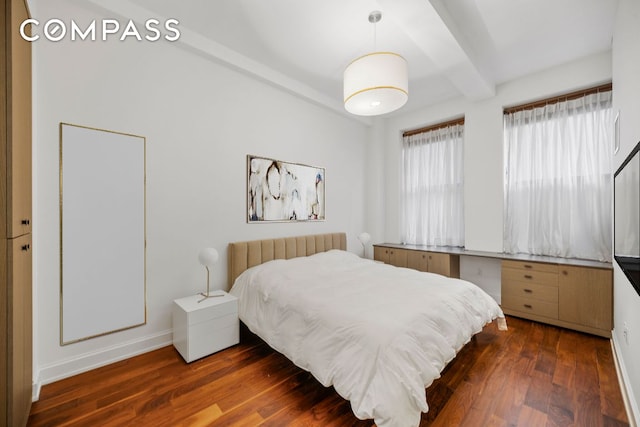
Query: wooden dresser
point(575, 294)
point(574, 297)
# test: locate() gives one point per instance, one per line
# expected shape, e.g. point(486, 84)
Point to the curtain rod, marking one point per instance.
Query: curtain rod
point(555, 99)
point(458, 121)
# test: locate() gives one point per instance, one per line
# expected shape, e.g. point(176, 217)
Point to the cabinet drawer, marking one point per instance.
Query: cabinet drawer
point(218, 310)
point(531, 306)
point(530, 266)
point(195, 309)
point(531, 291)
point(529, 276)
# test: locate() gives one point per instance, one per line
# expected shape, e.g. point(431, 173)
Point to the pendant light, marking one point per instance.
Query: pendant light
point(376, 83)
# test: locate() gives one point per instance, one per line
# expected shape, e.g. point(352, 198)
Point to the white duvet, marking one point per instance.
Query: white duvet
point(379, 334)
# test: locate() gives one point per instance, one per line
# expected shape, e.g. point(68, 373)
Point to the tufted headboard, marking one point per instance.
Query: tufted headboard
point(243, 255)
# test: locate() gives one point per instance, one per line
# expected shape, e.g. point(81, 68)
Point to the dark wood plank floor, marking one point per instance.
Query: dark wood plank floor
point(531, 375)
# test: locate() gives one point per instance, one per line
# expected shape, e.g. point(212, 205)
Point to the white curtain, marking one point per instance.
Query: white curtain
point(432, 211)
point(558, 179)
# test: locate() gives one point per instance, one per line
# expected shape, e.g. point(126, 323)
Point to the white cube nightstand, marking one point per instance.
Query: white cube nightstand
point(202, 328)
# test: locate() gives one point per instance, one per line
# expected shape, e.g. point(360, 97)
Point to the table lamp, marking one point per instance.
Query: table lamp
point(209, 257)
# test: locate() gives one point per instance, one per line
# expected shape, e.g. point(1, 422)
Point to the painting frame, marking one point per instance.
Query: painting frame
point(281, 191)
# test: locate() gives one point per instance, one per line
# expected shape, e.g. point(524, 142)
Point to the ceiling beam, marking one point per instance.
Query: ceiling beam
point(474, 76)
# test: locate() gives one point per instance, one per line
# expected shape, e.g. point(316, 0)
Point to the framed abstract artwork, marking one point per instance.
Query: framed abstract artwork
point(280, 191)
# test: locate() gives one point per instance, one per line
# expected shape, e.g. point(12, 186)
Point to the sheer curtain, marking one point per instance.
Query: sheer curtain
point(558, 179)
point(432, 211)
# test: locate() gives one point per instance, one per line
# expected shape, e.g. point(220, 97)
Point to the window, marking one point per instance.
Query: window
point(432, 186)
point(558, 178)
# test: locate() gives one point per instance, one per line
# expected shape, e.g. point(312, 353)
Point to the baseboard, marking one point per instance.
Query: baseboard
point(633, 413)
point(95, 359)
point(35, 390)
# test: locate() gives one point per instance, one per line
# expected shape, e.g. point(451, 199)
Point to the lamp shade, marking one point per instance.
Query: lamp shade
point(375, 84)
point(208, 257)
point(364, 238)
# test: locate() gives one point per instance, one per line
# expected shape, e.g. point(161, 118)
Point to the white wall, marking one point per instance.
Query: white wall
point(375, 184)
point(626, 99)
point(200, 120)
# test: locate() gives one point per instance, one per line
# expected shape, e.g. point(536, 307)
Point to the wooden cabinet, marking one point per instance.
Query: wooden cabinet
point(418, 260)
point(433, 262)
point(15, 126)
point(573, 297)
point(16, 341)
point(381, 253)
point(445, 264)
point(393, 256)
point(550, 290)
point(586, 297)
point(19, 332)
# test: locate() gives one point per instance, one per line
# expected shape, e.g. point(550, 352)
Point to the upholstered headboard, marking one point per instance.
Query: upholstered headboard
point(243, 255)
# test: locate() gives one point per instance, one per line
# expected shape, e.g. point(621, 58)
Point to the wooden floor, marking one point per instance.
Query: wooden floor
point(531, 375)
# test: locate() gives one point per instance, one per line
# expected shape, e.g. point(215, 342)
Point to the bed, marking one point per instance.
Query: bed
point(378, 334)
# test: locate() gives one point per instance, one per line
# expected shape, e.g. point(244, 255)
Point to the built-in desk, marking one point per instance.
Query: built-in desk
point(571, 293)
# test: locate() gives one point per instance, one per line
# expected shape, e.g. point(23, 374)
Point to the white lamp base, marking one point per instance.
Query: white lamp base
point(211, 294)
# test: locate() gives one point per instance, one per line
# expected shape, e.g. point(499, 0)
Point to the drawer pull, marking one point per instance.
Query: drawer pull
point(25, 222)
point(528, 306)
point(528, 266)
point(529, 291)
point(26, 247)
point(528, 276)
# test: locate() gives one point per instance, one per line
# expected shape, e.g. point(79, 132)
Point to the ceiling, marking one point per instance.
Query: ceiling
point(453, 47)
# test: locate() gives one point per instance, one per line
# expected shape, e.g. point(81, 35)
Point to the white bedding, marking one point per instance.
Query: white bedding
point(379, 334)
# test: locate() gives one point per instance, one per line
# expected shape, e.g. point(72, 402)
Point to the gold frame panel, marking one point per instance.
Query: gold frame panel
point(144, 142)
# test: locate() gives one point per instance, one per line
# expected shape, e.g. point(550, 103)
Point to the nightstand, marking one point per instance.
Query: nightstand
point(202, 328)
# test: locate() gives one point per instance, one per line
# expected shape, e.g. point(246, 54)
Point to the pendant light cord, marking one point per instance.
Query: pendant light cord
point(374, 18)
point(375, 36)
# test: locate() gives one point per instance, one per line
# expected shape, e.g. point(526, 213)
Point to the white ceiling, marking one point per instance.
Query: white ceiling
point(453, 47)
